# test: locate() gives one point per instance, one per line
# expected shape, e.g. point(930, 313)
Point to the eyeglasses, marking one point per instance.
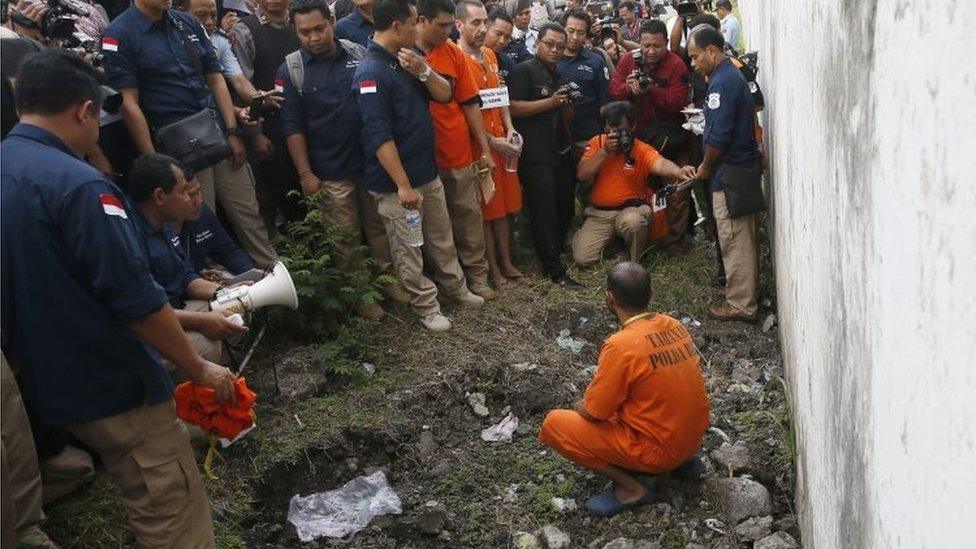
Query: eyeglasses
point(552, 45)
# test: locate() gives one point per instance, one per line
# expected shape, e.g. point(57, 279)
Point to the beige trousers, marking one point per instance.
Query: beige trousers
point(467, 224)
point(740, 254)
point(438, 249)
point(21, 478)
point(347, 204)
point(147, 452)
point(601, 226)
point(210, 349)
point(234, 188)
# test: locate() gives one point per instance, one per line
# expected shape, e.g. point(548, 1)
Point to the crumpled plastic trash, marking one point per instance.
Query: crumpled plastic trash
point(343, 511)
point(564, 341)
point(501, 432)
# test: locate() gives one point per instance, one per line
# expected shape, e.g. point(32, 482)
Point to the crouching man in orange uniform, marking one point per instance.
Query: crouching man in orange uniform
point(645, 410)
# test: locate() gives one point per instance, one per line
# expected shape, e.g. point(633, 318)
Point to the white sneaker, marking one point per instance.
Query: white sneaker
point(436, 322)
point(470, 300)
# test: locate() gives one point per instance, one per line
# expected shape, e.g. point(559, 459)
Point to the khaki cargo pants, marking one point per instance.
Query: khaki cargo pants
point(147, 452)
point(738, 240)
point(601, 226)
point(347, 204)
point(234, 188)
point(467, 224)
point(438, 249)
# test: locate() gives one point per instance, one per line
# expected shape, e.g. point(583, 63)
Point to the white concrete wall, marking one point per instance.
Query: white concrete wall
point(871, 125)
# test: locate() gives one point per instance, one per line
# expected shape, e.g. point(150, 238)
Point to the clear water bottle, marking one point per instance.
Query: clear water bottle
point(415, 233)
point(511, 164)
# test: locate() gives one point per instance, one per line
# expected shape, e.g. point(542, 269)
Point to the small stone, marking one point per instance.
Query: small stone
point(477, 402)
point(741, 498)
point(779, 540)
point(431, 521)
point(426, 447)
point(523, 429)
point(754, 528)
point(664, 509)
point(442, 468)
point(524, 367)
point(560, 478)
point(732, 457)
point(620, 543)
point(768, 324)
point(745, 371)
point(564, 505)
point(352, 464)
point(368, 369)
point(525, 540)
point(553, 537)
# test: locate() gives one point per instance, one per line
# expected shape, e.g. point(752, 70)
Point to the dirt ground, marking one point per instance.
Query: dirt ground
point(411, 419)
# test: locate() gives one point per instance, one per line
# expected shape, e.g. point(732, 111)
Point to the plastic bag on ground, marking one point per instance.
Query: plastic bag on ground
point(343, 511)
point(501, 432)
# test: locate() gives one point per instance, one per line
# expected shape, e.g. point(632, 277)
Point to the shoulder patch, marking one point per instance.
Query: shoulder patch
point(714, 101)
point(367, 86)
point(112, 206)
point(110, 44)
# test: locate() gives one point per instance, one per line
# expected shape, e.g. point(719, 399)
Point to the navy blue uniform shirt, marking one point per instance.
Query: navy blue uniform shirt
point(505, 65)
point(394, 106)
point(74, 276)
point(327, 112)
point(205, 241)
point(517, 52)
point(150, 56)
point(589, 71)
point(170, 268)
point(355, 27)
point(729, 119)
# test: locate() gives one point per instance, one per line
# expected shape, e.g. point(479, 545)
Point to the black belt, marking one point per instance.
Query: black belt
point(632, 203)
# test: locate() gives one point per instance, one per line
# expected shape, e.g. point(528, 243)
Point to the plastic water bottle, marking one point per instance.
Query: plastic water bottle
point(511, 164)
point(415, 233)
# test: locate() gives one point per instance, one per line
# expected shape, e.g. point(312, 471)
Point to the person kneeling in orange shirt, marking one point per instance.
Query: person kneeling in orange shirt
point(620, 166)
point(645, 411)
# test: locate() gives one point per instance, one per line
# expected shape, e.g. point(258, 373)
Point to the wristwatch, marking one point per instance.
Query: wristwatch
point(424, 75)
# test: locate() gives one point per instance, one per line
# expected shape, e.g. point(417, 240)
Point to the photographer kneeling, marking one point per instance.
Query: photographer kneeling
point(620, 166)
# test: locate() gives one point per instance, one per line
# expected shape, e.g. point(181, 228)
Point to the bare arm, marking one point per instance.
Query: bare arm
point(439, 88)
point(665, 168)
point(476, 125)
point(243, 87)
point(525, 109)
point(588, 166)
point(200, 288)
point(135, 121)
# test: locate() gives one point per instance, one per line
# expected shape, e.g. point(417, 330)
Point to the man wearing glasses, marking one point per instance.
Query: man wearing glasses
point(541, 112)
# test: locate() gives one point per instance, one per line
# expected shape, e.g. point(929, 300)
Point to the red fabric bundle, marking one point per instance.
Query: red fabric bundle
point(195, 404)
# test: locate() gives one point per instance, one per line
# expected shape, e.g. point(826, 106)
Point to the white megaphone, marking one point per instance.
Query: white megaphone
point(274, 289)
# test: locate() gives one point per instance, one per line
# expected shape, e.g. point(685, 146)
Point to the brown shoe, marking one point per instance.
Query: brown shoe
point(370, 311)
point(484, 291)
point(396, 293)
point(728, 312)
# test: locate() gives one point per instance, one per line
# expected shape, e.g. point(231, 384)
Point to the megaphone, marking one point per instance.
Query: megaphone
point(274, 289)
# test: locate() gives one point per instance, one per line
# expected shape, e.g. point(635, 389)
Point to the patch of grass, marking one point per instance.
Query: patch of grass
point(92, 517)
point(673, 539)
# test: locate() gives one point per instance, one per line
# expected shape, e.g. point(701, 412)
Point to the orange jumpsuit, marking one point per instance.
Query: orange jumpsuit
point(508, 193)
point(648, 393)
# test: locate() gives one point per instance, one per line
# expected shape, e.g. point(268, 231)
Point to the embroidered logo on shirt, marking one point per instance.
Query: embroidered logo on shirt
point(367, 86)
point(112, 206)
point(714, 101)
point(110, 44)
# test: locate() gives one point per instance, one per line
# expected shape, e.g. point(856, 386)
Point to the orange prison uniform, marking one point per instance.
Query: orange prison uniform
point(619, 180)
point(649, 392)
point(452, 139)
point(508, 193)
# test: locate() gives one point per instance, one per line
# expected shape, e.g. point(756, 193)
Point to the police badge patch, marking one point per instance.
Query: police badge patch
point(544, 91)
point(714, 101)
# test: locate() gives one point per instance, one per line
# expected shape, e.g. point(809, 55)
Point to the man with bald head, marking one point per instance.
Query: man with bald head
point(645, 410)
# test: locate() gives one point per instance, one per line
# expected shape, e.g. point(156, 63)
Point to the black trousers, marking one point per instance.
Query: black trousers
point(550, 190)
point(276, 178)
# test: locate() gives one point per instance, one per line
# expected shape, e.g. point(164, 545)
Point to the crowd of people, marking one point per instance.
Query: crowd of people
point(156, 149)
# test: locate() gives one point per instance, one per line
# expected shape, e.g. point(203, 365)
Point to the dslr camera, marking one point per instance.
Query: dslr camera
point(643, 80)
point(58, 23)
point(572, 90)
point(625, 140)
point(606, 26)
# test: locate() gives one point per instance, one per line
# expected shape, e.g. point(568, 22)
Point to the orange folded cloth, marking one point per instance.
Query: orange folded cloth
point(195, 404)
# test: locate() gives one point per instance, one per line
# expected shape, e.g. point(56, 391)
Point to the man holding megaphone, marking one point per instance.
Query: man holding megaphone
point(158, 190)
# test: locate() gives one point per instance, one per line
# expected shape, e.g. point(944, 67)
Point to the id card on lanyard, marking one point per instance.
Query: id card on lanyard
point(493, 98)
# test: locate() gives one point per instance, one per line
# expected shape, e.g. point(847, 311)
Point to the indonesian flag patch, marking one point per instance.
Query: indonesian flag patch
point(112, 206)
point(279, 85)
point(367, 86)
point(110, 44)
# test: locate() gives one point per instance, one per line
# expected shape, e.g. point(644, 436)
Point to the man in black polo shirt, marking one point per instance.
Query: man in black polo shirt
point(539, 110)
point(394, 84)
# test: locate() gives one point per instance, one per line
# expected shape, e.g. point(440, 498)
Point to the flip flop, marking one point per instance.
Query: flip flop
point(606, 504)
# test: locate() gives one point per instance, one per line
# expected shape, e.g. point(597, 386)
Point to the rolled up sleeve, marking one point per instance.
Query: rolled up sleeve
point(375, 106)
point(292, 115)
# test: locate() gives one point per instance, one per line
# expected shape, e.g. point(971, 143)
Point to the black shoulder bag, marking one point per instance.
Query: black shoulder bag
point(743, 188)
point(196, 141)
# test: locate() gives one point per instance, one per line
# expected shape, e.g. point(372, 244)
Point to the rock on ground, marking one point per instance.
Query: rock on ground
point(779, 540)
point(477, 402)
point(554, 538)
point(564, 505)
point(525, 540)
point(431, 522)
point(741, 498)
point(624, 543)
point(732, 457)
point(754, 528)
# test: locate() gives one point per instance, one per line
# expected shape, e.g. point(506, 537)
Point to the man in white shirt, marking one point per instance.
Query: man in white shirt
point(731, 28)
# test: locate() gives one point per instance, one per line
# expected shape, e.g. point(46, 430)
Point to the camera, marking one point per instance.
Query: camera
point(687, 9)
point(58, 22)
point(625, 140)
point(643, 80)
point(572, 90)
point(606, 27)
